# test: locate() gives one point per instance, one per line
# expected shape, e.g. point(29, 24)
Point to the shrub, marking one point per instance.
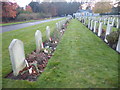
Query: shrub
point(29, 16)
point(25, 16)
point(103, 34)
point(43, 15)
point(112, 38)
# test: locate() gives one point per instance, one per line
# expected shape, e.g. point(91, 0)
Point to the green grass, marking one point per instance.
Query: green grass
point(81, 60)
point(27, 36)
point(103, 26)
point(5, 24)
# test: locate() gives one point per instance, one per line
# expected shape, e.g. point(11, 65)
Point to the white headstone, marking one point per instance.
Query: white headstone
point(108, 22)
point(84, 21)
point(57, 27)
point(118, 45)
point(100, 29)
point(100, 20)
point(17, 56)
point(91, 26)
point(48, 33)
point(104, 21)
point(38, 39)
point(113, 20)
point(95, 26)
point(118, 23)
point(89, 23)
point(108, 30)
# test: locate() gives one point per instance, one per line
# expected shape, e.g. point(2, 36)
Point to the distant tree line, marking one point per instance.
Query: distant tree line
point(55, 8)
point(36, 10)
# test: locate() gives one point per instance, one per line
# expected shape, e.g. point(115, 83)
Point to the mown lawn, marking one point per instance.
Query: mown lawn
point(5, 24)
point(81, 60)
point(104, 26)
point(27, 36)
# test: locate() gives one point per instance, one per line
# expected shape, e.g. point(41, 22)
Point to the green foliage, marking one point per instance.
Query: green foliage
point(25, 12)
point(112, 38)
point(43, 15)
point(30, 16)
point(35, 7)
point(25, 16)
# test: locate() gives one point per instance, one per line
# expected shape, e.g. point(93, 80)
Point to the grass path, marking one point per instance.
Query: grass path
point(81, 60)
point(12, 23)
point(20, 22)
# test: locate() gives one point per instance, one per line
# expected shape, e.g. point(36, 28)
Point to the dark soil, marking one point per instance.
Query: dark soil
point(102, 34)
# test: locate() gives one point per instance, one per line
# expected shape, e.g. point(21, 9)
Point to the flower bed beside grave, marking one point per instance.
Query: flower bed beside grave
point(38, 61)
point(112, 38)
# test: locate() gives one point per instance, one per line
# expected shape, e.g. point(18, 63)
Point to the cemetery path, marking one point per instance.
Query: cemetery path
point(19, 26)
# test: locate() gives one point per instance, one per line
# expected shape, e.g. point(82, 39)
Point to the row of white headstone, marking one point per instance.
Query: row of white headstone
point(112, 20)
point(93, 21)
point(17, 55)
point(16, 49)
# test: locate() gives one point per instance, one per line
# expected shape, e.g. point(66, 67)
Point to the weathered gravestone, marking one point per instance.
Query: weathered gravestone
point(91, 27)
point(104, 21)
point(108, 22)
point(100, 20)
point(113, 20)
point(38, 38)
point(48, 33)
point(108, 30)
point(89, 23)
point(118, 23)
point(57, 26)
point(84, 21)
point(100, 29)
point(95, 26)
point(17, 56)
point(118, 45)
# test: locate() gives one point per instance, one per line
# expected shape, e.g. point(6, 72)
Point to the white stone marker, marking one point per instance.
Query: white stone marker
point(100, 20)
point(84, 21)
point(118, 23)
point(95, 26)
point(108, 30)
point(48, 33)
point(38, 39)
point(113, 21)
point(118, 45)
point(100, 29)
point(17, 56)
point(91, 26)
point(89, 23)
point(108, 22)
point(104, 21)
point(57, 26)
